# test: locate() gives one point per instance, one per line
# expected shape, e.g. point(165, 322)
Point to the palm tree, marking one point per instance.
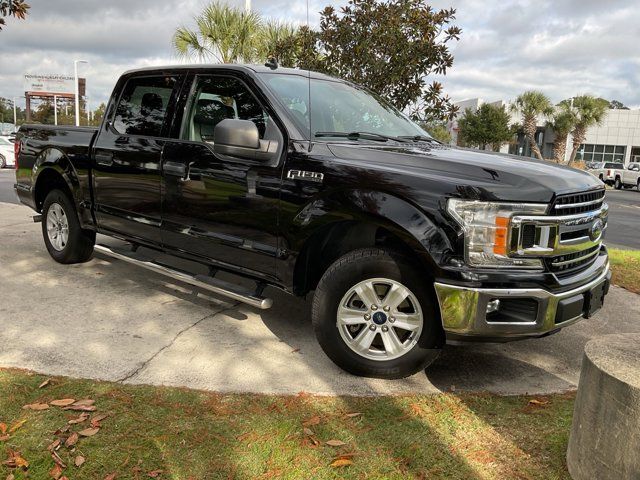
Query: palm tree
point(562, 123)
point(274, 33)
point(589, 111)
point(223, 33)
point(531, 105)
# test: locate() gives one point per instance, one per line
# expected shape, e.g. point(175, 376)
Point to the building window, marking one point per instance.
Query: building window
point(601, 153)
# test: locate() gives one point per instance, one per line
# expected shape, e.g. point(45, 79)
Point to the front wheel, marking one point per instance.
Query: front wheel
point(618, 184)
point(374, 315)
point(64, 238)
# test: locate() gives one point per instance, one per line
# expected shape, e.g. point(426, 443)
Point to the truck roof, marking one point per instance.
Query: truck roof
point(237, 67)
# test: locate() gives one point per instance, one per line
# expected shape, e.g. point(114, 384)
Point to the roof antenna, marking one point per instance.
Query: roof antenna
point(272, 63)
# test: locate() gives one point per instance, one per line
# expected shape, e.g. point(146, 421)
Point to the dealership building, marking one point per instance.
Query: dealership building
point(617, 139)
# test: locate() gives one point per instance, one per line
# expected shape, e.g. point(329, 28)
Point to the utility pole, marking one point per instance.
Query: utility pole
point(247, 6)
point(55, 110)
point(75, 69)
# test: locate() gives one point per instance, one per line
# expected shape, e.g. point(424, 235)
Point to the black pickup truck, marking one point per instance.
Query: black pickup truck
point(304, 182)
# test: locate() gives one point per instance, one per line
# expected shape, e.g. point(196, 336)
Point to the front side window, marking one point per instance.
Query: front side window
point(143, 106)
point(218, 98)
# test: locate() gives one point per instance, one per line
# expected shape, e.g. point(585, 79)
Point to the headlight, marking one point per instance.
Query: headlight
point(487, 231)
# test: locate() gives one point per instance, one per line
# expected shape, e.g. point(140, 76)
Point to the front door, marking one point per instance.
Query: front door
point(222, 211)
point(127, 156)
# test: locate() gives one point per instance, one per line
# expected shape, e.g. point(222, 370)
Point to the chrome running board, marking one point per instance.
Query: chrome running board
point(205, 282)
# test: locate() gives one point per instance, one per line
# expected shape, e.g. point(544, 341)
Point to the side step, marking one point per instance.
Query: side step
point(205, 282)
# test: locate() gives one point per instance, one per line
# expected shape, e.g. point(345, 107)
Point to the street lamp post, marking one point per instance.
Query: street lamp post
point(55, 110)
point(75, 69)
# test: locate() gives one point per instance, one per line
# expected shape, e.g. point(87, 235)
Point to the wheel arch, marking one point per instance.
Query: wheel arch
point(335, 227)
point(54, 170)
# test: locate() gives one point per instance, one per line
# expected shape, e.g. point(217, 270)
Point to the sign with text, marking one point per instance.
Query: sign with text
point(51, 84)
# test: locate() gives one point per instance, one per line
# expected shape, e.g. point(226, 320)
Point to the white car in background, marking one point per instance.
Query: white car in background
point(7, 157)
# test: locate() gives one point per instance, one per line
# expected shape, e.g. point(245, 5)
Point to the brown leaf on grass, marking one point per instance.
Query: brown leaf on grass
point(95, 421)
point(89, 432)
point(308, 431)
point(81, 408)
point(538, 403)
point(55, 472)
point(63, 402)
point(3, 428)
point(352, 415)
point(154, 473)
point(111, 476)
point(15, 460)
point(11, 476)
point(310, 422)
point(72, 440)
point(58, 461)
point(335, 443)
point(341, 462)
point(54, 445)
point(45, 383)
point(84, 403)
point(4, 438)
point(36, 406)
point(83, 417)
point(17, 425)
point(79, 461)
point(64, 477)
point(64, 429)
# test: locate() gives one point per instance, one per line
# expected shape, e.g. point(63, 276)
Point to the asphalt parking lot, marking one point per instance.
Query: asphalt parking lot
point(109, 320)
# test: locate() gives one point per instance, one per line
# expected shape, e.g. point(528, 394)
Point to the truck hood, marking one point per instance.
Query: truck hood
point(469, 173)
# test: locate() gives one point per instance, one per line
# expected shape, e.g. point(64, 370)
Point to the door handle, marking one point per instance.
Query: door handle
point(175, 169)
point(104, 159)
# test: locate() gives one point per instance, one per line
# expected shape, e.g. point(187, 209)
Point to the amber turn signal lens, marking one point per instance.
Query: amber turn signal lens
point(500, 244)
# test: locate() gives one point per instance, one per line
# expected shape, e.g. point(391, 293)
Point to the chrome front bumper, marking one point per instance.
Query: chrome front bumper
point(463, 309)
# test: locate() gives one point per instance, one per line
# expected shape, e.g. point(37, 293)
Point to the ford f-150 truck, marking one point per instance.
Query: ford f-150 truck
point(304, 182)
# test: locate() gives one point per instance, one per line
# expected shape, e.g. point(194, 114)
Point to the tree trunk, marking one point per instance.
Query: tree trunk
point(529, 125)
point(579, 134)
point(559, 148)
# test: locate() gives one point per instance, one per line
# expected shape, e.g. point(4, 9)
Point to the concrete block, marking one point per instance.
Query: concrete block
point(605, 435)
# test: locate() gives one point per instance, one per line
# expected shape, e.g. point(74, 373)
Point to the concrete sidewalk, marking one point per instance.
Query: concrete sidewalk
point(109, 320)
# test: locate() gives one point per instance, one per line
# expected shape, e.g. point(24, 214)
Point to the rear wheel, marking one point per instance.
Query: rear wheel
point(65, 240)
point(618, 183)
point(3, 162)
point(374, 315)
point(638, 185)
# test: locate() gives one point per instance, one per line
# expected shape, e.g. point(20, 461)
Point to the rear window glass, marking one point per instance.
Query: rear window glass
point(143, 106)
point(612, 165)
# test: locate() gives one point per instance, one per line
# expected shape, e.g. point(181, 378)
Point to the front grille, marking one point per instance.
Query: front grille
point(578, 203)
point(571, 263)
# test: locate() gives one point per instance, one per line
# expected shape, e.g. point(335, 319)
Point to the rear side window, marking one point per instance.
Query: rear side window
point(143, 106)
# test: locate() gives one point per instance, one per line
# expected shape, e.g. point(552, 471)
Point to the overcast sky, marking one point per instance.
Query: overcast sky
point(562, 47)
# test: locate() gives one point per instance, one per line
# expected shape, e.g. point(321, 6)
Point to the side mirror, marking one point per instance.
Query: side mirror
point(241, 139)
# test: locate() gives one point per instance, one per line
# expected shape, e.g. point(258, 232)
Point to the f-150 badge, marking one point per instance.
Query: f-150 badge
point(308, 176)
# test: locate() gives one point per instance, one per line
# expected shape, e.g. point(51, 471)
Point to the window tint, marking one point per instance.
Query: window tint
point(612, 165)
point(219, 98)
point(143, 106)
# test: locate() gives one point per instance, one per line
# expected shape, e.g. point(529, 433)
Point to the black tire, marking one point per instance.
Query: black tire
point(617, 184)
point(79, 246)
point(638, 185)
point(342, 276)
point(601, 177)
point(3, 161)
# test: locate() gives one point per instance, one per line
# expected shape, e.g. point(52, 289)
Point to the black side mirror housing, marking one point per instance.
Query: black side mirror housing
point(241, 139)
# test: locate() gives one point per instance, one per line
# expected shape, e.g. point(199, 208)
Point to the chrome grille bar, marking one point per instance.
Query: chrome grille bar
point(576, 260)
point(574, 205)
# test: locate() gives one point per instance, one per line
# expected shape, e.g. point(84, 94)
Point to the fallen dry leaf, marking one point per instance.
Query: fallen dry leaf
point(4, 438)
point(54, 445)
point(111, 476)
point(11, 477)
point(95, 421)
point(15, 460)
point(3, 428)
point(63, 402)
point(81, 408)
point(17, 425)
point(538, 403)
point(45, 383)
point(64, 429)
point(308, 431)
point(89, 432)
point(72, 440)
point(341, 462)
point(56, 458)
point(83, 417)
point(55, 472)
point(79, 461)
point(354, 414)
point(335, 443)
point(84, 403)
point(36, 406)
point(311, 421)
point(154, 473)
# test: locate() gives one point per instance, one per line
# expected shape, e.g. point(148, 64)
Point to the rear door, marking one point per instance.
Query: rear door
point(222, 210)
point(127, 157)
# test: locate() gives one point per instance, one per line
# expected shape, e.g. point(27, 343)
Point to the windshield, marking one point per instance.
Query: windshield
point(337, 107)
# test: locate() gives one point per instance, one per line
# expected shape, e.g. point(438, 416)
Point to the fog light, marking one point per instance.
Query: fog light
point(493, 306)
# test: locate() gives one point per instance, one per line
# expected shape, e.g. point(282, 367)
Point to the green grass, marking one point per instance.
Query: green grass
point(625, 265)
point(198, 435)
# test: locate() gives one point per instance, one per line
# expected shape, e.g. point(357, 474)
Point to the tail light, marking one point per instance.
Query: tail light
point(608, 173)
point(17, 146)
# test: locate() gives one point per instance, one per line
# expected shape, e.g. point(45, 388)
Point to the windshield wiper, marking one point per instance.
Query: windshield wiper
point(418, 138)
point(378, 137)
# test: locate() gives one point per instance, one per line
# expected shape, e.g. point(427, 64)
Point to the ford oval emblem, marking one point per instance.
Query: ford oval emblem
point(596, 230)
